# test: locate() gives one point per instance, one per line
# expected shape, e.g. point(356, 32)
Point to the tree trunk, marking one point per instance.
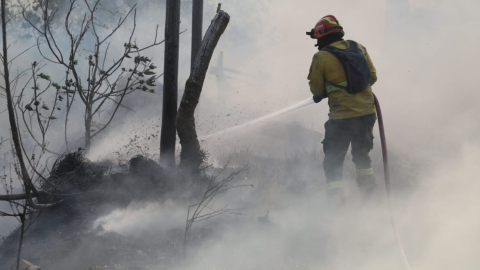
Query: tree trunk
point(192, 156)
point(11, 111)
point(170, 83)
point(197, 29)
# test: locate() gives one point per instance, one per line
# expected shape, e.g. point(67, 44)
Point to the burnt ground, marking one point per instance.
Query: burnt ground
point(67, 236)
point(62, 236)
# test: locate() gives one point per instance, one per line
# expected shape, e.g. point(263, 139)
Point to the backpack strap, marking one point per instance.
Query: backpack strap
point(353, 44)
point(329, 49)
point(332, 50)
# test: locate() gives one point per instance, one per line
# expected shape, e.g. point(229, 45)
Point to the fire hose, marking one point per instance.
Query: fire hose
point(384, 153)
point(386, 171)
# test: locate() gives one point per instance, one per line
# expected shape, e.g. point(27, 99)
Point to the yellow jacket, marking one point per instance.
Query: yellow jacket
point(326, 68)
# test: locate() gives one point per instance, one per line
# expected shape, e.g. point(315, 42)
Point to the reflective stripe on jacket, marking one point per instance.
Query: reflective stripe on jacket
point(326, 73)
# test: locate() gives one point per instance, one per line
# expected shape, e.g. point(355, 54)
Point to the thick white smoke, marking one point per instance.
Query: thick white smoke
point(426, 56)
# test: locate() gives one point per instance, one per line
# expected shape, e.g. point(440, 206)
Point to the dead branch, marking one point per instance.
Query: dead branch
point(214, 188)
point(13, 197)
point(191, 155)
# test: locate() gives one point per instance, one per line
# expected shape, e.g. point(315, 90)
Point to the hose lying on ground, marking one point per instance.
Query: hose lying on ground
point(386, 171)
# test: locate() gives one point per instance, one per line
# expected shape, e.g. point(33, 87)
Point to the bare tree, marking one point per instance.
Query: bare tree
point(105, 80)
point(168, 134)
point(29, 188)
point(191, 155)
point(37, 115)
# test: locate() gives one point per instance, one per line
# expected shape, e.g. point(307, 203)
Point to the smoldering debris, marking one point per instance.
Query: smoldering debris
point(136, 219)
point(123, 220)
point(143, 229)
point(88, 191)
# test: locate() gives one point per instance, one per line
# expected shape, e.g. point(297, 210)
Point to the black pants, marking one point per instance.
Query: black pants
point(339, 133)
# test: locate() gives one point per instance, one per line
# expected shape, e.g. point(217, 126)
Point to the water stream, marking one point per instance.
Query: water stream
point(254, 122)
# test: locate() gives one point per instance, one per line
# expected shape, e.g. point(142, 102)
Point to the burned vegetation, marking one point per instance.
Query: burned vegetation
point(83, 191)
point(59, 207)
point(80, 192)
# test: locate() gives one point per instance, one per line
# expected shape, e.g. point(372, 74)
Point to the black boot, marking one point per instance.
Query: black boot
point(366, 185)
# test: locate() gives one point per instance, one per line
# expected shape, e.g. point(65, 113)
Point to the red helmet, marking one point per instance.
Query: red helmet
point(327, 25)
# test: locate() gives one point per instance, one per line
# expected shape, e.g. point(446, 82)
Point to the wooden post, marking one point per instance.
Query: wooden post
point(192, 156)
point(170, 83)
point(197, 28)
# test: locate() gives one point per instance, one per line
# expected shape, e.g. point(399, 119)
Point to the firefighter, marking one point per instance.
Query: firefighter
point(343, 72)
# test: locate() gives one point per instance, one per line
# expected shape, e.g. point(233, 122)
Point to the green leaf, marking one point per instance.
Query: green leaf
point(44, 76)
point(148, 72)
point(151, 81)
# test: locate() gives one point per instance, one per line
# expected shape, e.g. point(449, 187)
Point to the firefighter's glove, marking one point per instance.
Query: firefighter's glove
point(317, 99)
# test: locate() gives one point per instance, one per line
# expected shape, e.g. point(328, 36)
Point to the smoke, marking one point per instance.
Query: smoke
point(136, 219)
point(426, 56)
point(285, 229)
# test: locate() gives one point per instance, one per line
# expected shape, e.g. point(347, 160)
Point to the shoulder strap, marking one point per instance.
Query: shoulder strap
point(328, 48)
point(331, 49)
point(353, 43)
